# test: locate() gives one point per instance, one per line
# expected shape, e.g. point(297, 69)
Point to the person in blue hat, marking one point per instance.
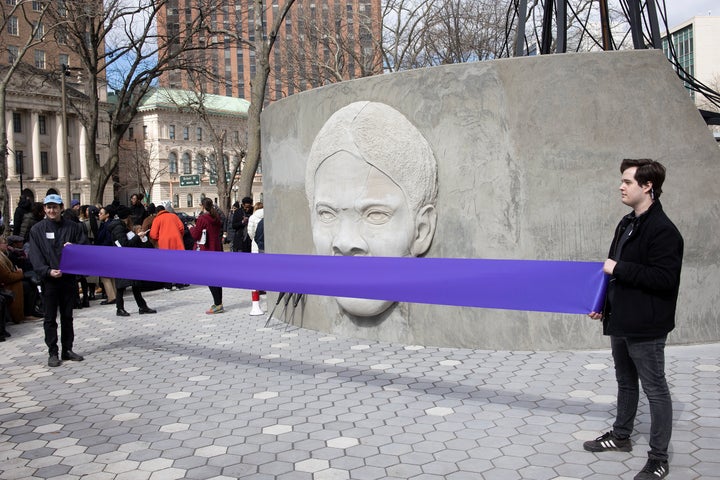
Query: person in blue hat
point(48, 237)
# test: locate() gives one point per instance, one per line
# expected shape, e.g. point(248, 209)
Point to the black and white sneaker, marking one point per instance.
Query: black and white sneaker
point(608, 442)
point(653, 470)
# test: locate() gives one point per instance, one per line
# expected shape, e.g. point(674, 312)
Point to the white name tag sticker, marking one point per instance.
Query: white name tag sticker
point(50, 235)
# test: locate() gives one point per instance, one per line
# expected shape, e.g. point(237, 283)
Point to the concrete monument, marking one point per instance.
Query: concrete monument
point(527, 152)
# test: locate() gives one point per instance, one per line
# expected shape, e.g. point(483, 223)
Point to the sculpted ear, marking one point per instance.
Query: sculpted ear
point(425, 222)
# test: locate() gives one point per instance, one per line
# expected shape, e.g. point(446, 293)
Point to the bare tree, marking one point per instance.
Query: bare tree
point(459, 31)
point(197, 102)
point(262, 42)
point(15, 18)
point(119, 43)
point(404, 23)
point(141, 172)
point(331, 48)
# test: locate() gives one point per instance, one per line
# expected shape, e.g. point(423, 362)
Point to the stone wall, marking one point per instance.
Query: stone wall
point(528, 153)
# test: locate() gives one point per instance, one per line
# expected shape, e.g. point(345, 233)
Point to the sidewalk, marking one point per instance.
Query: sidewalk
point(182, 394)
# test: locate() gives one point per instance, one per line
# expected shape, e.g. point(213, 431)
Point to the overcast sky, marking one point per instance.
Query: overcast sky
point(680, 10)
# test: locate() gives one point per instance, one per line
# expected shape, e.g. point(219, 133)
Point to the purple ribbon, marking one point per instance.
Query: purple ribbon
point(536, 285)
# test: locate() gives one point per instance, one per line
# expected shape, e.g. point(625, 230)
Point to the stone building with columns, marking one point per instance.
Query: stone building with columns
point(37, 143)
point(168, 152)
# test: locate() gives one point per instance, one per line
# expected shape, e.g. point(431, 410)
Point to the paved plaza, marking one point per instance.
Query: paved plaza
point(182, 394)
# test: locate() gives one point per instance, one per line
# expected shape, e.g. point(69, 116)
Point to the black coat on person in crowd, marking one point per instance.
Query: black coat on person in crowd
point(119, 235)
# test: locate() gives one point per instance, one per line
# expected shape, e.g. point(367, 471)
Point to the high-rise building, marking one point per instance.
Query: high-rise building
point(320, 41)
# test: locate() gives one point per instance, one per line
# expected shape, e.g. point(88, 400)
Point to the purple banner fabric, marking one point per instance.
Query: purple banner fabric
point(535, 285)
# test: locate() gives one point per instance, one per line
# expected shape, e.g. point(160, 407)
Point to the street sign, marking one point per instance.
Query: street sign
point(189, 180)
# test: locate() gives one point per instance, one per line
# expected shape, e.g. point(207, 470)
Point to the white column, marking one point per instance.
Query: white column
point(83, 151)
point(10, 130)
point(37, 168)
point(60, 146)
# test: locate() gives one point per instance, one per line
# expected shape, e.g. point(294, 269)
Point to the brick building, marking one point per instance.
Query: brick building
point(320, 41)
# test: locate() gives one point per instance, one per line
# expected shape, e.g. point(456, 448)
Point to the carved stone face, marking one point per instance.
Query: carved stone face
point(358, 210)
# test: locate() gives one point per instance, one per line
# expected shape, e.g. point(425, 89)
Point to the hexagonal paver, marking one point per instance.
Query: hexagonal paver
point(312, 465)
point(342, 442)
point(439, 411)
point(277, 429)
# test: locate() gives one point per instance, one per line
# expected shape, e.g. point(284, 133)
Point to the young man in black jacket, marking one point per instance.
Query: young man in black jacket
point(645, 261)
point(48, 237)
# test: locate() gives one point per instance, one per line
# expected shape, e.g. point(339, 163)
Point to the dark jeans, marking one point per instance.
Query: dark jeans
point(59, 294)
point(137, 294)
point(643, 359)
point(216, 294)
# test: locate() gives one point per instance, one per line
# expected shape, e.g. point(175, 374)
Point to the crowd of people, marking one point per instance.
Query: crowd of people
point(32, 285)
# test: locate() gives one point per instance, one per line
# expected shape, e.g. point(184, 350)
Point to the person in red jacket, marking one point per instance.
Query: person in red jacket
point(207, 234)
point(167, 230)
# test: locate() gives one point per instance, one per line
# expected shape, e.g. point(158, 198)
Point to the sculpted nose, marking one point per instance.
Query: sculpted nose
point(348, 240)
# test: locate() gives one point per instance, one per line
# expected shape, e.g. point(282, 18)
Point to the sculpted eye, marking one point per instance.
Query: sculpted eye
point(325, 214)
point(378, 217)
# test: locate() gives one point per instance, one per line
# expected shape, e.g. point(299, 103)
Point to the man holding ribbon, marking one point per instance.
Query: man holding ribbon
point(644, 265)
point(48, 237)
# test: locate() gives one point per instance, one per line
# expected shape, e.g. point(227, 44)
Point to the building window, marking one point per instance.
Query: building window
point(19, 162)
point(17, 122)
point(131, 133)
point(61, 36)
point(39, 30)
point(61, 9)
point(189, 200)
point(145, 132)
point(172, 162)
point(176, 200)
point(11, 2)
point(64, 59)
point(42, 123)
point(199, 134)
point(44, 165)
point(200, 164)
point(12, 26)
point(187, 167)
point(12, 53)
point(40, 59)
point(171, 131)
point(186, 133)
point(37, 6)
point(236, 136)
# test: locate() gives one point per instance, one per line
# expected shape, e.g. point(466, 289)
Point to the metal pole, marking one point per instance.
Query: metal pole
point(546, 41)
point(605, 26)
point(522, 18)
point(654, 25)
point(68, 198)
point(561, 20)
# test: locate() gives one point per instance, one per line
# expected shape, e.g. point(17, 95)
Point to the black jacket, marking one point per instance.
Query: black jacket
point(642, 293)
point(46, 243)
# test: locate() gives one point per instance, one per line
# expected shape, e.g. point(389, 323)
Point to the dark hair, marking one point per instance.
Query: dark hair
point(247, 200)
point(151, 209)
point(51, 191)
point(209, 207)
point(648, 171)
point(110, 210)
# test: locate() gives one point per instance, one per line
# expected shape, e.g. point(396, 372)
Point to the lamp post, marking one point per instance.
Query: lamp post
point(65, 71)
